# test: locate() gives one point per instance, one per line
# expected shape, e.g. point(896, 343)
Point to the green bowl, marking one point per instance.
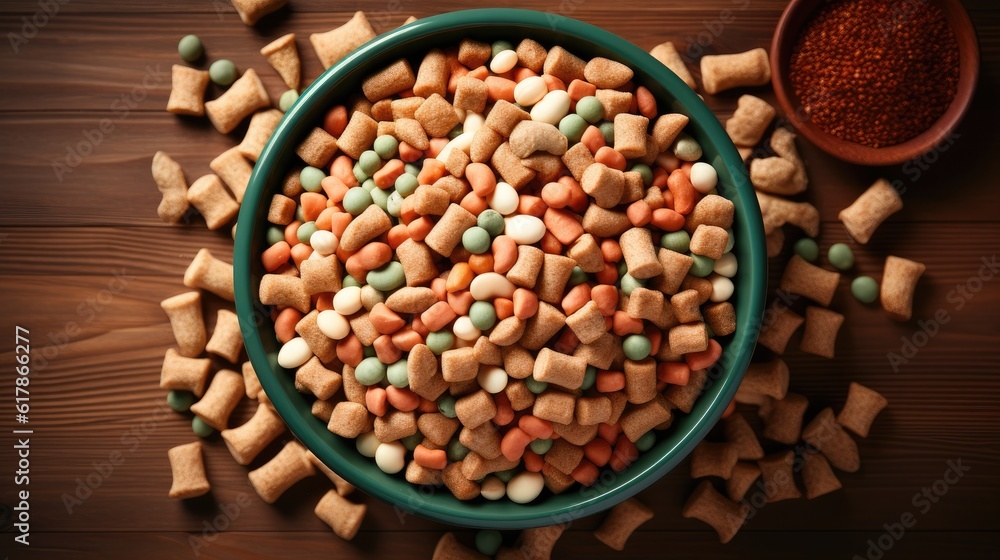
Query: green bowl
point(411, 41)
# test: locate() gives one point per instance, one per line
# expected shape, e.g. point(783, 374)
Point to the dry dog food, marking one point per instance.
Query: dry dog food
point(512, 265)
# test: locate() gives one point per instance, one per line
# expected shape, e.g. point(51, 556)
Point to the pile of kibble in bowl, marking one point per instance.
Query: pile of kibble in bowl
point(503, 272)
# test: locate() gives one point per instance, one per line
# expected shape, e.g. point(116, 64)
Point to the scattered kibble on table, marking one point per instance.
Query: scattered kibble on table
point(807, 248)
point(223, 72)
point(840, 256)
point(190, 48)
point(864, 289)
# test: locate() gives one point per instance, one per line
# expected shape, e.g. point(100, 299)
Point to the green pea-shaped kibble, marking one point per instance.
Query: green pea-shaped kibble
point(287, 99)
point(535, 386)
point(394, 204)
point(476, 240)
point(506, 475)
point(369, 162)
point(180, 401)
point(359, 173)
point(222, 72)
point(541, 446)
point(491, 221)
point(678, 241)
point(807, 248)
point(499, 46)
point(622, 268)
point(636, 347)
point(385, 146)
point(864, 289)
point(305, 231)
point(406, 184)
point(275, 235)
point(702, 266)
point(190, 48)
point(446, 405)
point(840, 256)
point(589, 378)
point(201, 428)
point(577, 276)
point(440, 341)
point(380, 198)
point(412, 441)
point(397, 375)
point(455, 132)
point(687, 148)
point(371, 371)
point(456, 450)
point(488, 541)
point(412, 169)
point(645, 171)
point(357, 200)
point(350, 282)
point(590, 109)
point(387, 277)
point(572, 127)
point(312, 178)
point(607, 129)
point(645, 441)
point(369, 184)
point(483, 315)
point(630, 283)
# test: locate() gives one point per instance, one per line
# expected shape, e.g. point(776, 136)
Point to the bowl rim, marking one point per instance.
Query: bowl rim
point(786, 32)
point(632, 480)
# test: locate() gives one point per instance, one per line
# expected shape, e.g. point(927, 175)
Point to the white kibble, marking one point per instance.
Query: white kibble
point(492, 378)
point(465, 330)
point(347, 301)
point(473, 122)
point(504, 199)
point(704, 177)
point(726, 265)
point(524, 229)
point(552, 108)
point(324, 242)
point(367, 443)
point(504, 61)
point(722, 288)
point(530, 90)
point(493, 488)
point(461, 142)
point(294, 353)
point(391, 457)
point(525, 487)
point(333, 324)
point(491, 285)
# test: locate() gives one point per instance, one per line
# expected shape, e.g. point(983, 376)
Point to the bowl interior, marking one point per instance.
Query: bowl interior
point(794, 20)
point(412, 41)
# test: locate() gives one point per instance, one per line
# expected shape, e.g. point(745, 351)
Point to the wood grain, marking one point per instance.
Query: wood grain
point(98, 348)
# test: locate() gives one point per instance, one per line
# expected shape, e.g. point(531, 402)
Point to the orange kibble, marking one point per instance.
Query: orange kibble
point(335, 121)
point(655, 337)
point(556, 195)
point(532, 205)
point(435, 145)
point(275, 256)
point(385, 350)
point(674, 373)
point(323, 301)
point(479, 73)
point(504, 308)
point(419, 228)
point(343, 169)
point(431, 171)
point(408, 153)
point(474, 203)
point(481, 178)
point(461, 301)
point(513, 443)
point(498, 88)
point(593, 139)
point(284, 323)
point(611, 251)
point(563, 225)
point(610, 381)
point(525, 303)
point(586, 473)
point(578, 200)
point(606, 298)
point(533, 462)
point(607, 275)
point(403, 400)
point(645, 102)
point(291, 233)
point(659, 177)
point(397, 235)
point(312, 204)
point(623, 324)
point(385, 320)
point(387, 175)
point(460, 277)
point(300, 253)
point(520, 73)
point(505, 412)
point(683, 191)
point(667, 219)
point(504, 253)
point(339, 222)
point(436, 459)
point(705, 359)
point(609, 432)
point(598, 451)
point(376, 401)
point(427, 405)
point(440, 288)
point(624, 454)
point(610, 157)
point(578, 89)
point(575, 298)
point(325, 219)
point(639, 213)
point(553, 83)
point(481, 264)
point(406, 338)
point(550, 244)
point(350, 351)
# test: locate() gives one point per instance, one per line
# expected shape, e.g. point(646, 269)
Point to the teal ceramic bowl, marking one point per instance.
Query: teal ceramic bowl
point(411, 41)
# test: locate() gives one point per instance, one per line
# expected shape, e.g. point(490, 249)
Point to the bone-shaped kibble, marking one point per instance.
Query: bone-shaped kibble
point(289, 466)
point(212, 200)
point(333, 45)
point(778, 211)
point(283, 56)
point(899, 282)
point(169, 178)
point(867, 213)
point(722, 72)
point(234, 171)
point(184, 312)
point(862, 406)
point(188, 469)
point(621, 522)
point(184, 374)
point(209, 273)
point(750, 120)
point(530, 136)
point(723, 514)
point(250, 11)
point(187, 92)
point(221, 398)
point(342, 515)
point(245, 96)
point(227, 339)
point(247, 441)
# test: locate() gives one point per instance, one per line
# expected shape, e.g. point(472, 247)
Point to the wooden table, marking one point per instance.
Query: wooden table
point(86, 263)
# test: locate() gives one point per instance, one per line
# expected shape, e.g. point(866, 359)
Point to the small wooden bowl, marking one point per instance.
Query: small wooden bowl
point(794, 19)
